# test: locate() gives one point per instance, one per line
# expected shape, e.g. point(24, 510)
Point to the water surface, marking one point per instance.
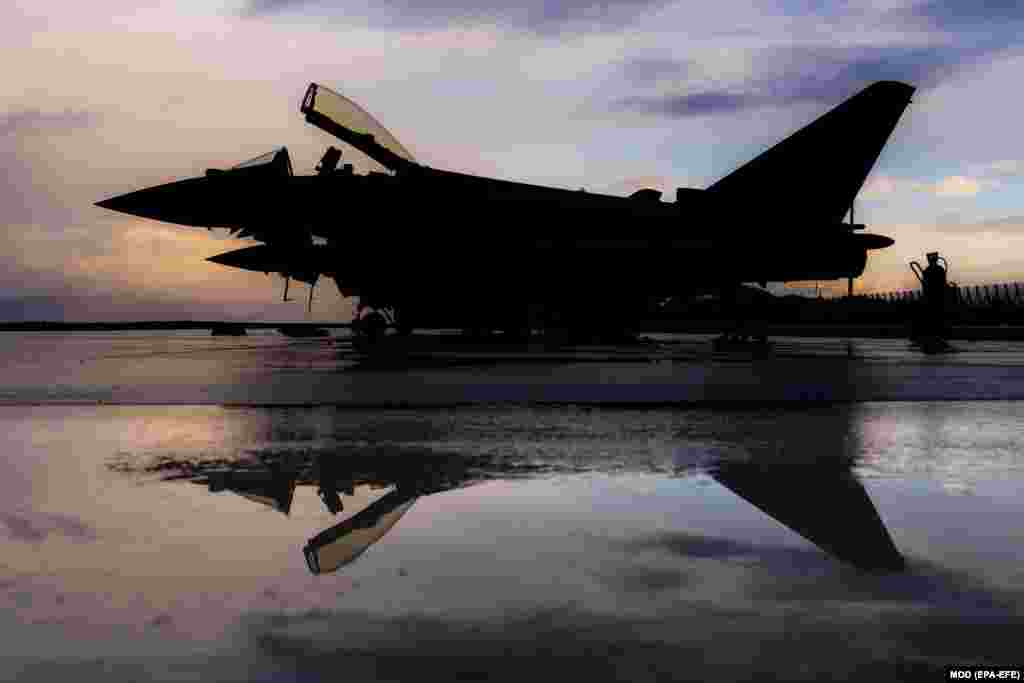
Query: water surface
point(642, 543)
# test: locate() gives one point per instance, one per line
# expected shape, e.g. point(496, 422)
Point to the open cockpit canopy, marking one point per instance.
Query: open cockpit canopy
point(346, 120)
point(342, 544)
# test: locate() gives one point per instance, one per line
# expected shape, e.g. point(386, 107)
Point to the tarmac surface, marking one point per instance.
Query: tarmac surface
point(685, 513)
point(267, 369)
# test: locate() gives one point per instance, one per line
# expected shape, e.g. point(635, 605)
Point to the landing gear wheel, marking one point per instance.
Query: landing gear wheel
point(370, 327)
point(740, 340)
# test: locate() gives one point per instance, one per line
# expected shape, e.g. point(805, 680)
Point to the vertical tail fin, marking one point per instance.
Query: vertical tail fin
point(820, 168)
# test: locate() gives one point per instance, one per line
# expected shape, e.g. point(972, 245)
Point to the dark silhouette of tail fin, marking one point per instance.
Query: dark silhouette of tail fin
point(817, 171)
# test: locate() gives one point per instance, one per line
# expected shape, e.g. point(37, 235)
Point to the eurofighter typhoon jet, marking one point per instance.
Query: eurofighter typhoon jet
point(424, 247)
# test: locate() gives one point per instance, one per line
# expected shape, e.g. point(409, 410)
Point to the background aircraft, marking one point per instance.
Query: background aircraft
point(424, 247)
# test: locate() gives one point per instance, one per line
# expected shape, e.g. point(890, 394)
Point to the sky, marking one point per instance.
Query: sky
point(611, 95)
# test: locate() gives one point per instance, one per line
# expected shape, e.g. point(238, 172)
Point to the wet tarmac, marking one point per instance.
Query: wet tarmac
point(267, 369)
point(395, 518)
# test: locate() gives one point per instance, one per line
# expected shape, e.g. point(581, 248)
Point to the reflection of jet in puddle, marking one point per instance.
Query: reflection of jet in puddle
point(823, 502)
point(341, 544)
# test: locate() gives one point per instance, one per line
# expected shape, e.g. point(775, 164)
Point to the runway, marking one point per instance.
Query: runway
point(660, 511)
point(266, 369)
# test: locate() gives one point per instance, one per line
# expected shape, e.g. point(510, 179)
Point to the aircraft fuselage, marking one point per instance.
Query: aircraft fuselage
point(420, 239)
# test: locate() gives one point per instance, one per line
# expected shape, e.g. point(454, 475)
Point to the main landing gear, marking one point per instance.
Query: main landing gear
point(738, 340)
point(745, 331)
point(374, 325)
point(370, 327)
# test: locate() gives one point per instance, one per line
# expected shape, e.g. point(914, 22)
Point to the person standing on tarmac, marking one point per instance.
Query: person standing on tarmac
point(933, 284)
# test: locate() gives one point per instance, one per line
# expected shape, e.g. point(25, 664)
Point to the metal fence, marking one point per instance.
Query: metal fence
point(1009, 294)
point(993, 304)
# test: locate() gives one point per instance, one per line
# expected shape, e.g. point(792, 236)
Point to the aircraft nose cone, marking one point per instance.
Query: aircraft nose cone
point(187, 202)
point(135, 203)
point(148, 203)
point(111, 204)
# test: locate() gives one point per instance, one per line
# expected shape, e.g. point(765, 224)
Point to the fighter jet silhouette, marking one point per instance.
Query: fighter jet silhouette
point(425, 247)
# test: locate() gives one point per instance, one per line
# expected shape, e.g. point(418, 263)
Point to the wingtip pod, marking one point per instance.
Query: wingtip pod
point(896, 92)
point(870, 242)
point(895, 87)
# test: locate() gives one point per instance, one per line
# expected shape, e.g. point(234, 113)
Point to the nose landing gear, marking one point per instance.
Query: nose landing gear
point(370, 327)
point(374, 324)
point(747, 329)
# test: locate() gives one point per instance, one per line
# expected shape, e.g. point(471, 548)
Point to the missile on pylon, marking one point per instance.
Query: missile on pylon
point(304, 263)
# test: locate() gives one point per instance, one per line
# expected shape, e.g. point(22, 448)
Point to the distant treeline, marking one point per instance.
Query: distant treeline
point(983, 296)
point(1000, 304)
point(994, 304)
point(144, 325)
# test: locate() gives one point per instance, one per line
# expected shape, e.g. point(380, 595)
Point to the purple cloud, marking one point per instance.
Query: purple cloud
point(837, 73)
point(35, 120)
point(36, 527)
point(536, 15)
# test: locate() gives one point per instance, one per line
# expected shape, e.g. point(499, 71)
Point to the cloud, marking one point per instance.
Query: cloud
point(956, 186)
point(35, 527)
point(953, 15)
point(700, 546)
point(1016, 222)
point(953, 186)
point(29, 195)
point(797, 75)
point(647, 580)
point(975, 179)
point(818, 630)
point(35, 307)
point(1003, 168)
point(35, 120)
point(954, 223)
point(812, 58)
point(541, 16)
point(696, 104)
point(649, 70)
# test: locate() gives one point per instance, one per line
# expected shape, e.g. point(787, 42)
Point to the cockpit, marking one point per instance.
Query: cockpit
point(274, 163)
point(278, 158)
point(350, 123)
